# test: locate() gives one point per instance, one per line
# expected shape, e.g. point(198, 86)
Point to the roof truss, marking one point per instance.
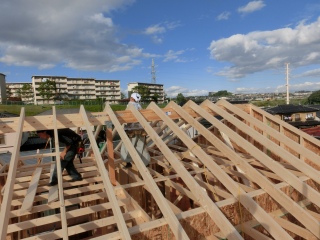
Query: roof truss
point(248, 174)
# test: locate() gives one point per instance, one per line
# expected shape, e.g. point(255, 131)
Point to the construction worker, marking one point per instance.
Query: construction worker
point(70, 139)
point(137, 135)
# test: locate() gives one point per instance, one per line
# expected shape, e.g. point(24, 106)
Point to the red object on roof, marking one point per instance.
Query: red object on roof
point(314, 131)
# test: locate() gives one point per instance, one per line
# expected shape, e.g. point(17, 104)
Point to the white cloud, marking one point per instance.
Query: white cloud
point(252, 7)
point(172, 55)
point(157, 31)
point(99, 18)
point(311, 73)
point(78, 33)
point(306, 86)
point(264, 50)
point(176, 56)
point(223, 16)
point(173, 91)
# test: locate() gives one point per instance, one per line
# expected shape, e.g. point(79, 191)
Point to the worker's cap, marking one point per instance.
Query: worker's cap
point(136, 96)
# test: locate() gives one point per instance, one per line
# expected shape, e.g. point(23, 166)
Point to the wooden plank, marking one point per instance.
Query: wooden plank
point(201, 196)
point(33, 123)
point(111, 167)
point(235, 190)
point(64, 223)
point(8, 192)
point(251, 224)
point(279, 196)
point(106, 181)
point(275, 166)
point(174, 224)
point(254, 233)
point(53, 191)
point(77, 213)
point(287, 126)
point(300, 231)
point(294, 161)
point(29, 198)
point(80, 228)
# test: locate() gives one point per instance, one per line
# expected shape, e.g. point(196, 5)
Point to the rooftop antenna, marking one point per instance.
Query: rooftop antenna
point(287, 79)
point(153, 73)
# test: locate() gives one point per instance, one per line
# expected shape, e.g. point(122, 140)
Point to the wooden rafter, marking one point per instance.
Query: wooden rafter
point(224, 179)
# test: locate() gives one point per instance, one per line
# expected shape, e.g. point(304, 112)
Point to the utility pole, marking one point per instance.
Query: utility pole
point(153, 73)
point(287, 79)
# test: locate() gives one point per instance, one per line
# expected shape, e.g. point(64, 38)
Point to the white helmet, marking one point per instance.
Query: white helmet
point(136, 96)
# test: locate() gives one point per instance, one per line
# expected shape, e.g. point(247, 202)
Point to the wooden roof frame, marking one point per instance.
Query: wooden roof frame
point(249, 154)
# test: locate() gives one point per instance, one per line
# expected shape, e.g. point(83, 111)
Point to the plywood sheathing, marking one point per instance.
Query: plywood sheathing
point(193, 188)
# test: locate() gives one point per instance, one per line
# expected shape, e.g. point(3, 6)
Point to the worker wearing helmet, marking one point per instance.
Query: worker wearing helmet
point(137, 135)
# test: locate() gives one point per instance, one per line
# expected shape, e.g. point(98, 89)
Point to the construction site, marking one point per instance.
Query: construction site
point(245, 174)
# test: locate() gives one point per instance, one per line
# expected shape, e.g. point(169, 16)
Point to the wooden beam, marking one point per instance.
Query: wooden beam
point(301, 165)
point(111, 168)
point(173, 223)
point(235, 190)
point(214, 212)
point(29, 198)
point(275, 166)
point(59, 177)
point(33, 123)
point(106, 181)
point(53, 191)
point(8, 192)
point(279, 196)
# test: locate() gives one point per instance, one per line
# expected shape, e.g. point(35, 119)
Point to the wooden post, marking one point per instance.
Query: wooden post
point(111, 169)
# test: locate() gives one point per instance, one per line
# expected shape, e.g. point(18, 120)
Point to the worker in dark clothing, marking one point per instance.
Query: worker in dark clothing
point(70, 139)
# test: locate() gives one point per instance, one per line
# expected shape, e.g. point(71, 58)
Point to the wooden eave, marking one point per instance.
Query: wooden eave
point(248, 176)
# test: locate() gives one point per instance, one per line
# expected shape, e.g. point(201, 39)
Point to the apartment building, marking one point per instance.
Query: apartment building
point(78, 89)
point(3, 89)
point(108, 90)
point(21, 90)
point(155, 91)
point(81, 88)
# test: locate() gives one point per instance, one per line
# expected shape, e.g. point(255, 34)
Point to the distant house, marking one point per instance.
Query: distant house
point(297, 115)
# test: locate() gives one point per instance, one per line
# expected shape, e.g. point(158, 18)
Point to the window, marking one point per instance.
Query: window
point(287, 118)
point(297, 117)
point(309, 116)
point(2, 140)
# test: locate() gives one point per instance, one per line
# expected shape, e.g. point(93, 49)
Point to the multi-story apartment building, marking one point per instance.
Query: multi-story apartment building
point(155, 91)
point(3, 89)
point(79, 89)
point(21, 90)
point(61, 85)
point(108, 90)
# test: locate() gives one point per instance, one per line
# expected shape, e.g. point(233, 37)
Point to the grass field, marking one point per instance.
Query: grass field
point(32, 110)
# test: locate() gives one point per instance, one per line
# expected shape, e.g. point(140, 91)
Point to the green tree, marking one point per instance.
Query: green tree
point(155, 97)
point(8, 92)
point(144, 91)
point(222, 93)
point(181, 99)
point(314, 97)
point(165, 96)
point(123, 96)
point(26, 92)
point(47, 89)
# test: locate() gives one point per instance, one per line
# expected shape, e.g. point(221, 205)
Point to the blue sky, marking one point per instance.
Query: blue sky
point(197, 46)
